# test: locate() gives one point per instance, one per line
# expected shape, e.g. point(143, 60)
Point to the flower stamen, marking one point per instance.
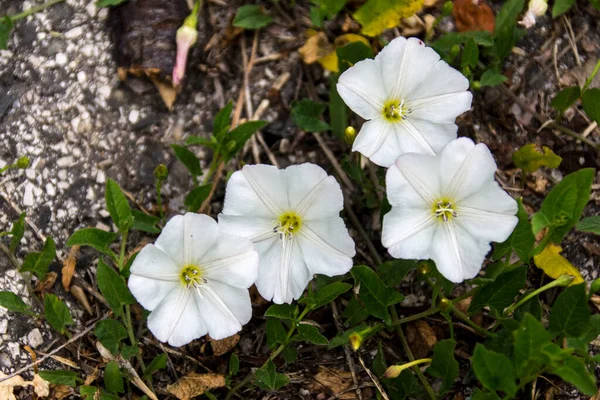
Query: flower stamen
point(191, 277)
point(289, 223)
point(395, 111)
point(444, 210)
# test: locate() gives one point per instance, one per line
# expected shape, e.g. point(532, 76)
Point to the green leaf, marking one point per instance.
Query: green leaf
point(282, 311)
point(481, 395)
point(570, 312)
point(573, 370)
point(470, 55)
point(267, 378)
point(57, 314)
point(451, 39)
point(404, 386)
point(17, 231)
point(342, 339)
point(221, 121)
point(443, 364)
point(6, 26)
point(338, 111)
point(276, 333)
point(60, 377)
point(351, 53)
point(38, 263)
point(354, 313)
point(393, 272)
point(374, 294)
point(494, 370)
point(12, 302)
point(88, 392)
point(290, 354)
point(564, 205)
point(144, 222)
point(241, 134)
point(589, 224)
point(529, 158)
point(309, 333)
point(113, 288)
point(194, 199)
point(188, 158)
point(93, 237)
point(251, 17)
point(500, 293)
point(505, 30)
point(330, 292)
point(595, 3)
point(531, 306)
point(109, 3)
point(521, 240)
point(234, 364)
point(379, 365)
point(530, 338)
point(306, 115)
point(159, 362)
point(129, 351)
point(113, 378)
point(591, 103)
point(565, 98)
point(561, 6)
point(110, 333)
point(492, 78)
point(196, 140)
point(118, 206)
point(375, 16)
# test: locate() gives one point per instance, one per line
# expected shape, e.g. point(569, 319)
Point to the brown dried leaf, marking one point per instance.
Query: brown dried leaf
point(223, 346)
point(7, 386)
point(41, 387)
point(68, 268)
point(335, 380)
point(193, 385)
point(167, 92)
point(421, 338)
point(59, 392)
point(473, 15)
point(79, 294)
point(316, 46)
point(46, 283)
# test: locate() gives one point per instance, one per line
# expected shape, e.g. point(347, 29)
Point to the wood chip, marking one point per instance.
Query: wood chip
point(194, 384)
point(224, 346)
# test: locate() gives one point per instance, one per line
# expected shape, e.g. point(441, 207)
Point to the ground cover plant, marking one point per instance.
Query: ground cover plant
point(397, 252)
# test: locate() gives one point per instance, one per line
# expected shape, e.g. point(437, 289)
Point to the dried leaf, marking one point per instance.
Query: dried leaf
point(421, 338)
point(167, 92)
point(224, 346)
point(68, 268)
point(193, 385)
point(41, 387)
point(79, 294)
point(470, 15)
point(316, 47)
point(46, 283)
point(59, 392)
point(7, 386)
point(335, 380)
point(555, 265)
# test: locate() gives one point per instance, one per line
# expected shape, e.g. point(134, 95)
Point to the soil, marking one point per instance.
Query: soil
point(63, 105)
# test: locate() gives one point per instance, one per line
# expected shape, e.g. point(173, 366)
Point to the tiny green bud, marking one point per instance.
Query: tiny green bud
point(395, 370)
point(475, 85)
point(564, 280)
point(595, 286)
point(447, 9)
point(356, 340)
point(22, 162)
point(350, 134)
point(161, 172)
point(424, 268)
point(445, 304)
point(454, 50)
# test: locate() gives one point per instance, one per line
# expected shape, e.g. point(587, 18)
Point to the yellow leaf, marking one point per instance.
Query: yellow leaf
point(375, 16)
point(318, 48)
point(555, 265)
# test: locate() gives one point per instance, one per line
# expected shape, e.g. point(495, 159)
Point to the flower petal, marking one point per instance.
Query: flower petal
point(413, 181)
point(150, 292)
point(283, 274)
point(372, 137)
point(457, 254)
point(249, 227)
point(405, 64)
point(237, 301)
point(465, 168)
point(362, 89)
point(489, 213)
point(220, 306)
point(326, 246)
point(154, 263)
point(437, 135)
point(443, 108)
point(438, 80)
point(177, 319)
point(408, 232)
point(187, 237)
point(232, 260)
point(257, 190)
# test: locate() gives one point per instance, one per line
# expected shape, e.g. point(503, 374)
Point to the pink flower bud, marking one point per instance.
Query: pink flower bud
point(186, 37)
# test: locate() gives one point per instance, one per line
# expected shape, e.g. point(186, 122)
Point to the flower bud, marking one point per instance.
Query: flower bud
point(424, 268)
point(350, 134)
point(161, 172)
point(22, 162)
point(475, 85)
point(445, 304)
point(356, 340)
point(537, 8)
point(186, 38)
point(447, 9)
point(393, 371)
point(564, 280)
point(454, 50)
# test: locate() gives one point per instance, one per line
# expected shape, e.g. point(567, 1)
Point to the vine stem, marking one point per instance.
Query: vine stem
point(562, 280)
point(460, 315)
point(122, 252)
point(159, 200)
point(35, 9)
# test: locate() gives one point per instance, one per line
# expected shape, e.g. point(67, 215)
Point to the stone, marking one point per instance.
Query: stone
point(134, 116)
point(28, 195)
point(61, 59)
point(3, 326)
point(74, 33)
point(35, 339)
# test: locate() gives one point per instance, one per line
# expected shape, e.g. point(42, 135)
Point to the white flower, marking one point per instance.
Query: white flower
point(195, 280)
point(447, 208)
point(410, 97)
point(536, 8)
point(292, 216)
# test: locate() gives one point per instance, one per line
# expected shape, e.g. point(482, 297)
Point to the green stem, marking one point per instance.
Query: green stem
point(132, 339)
point(460, 315)
point(562, 280)
point(122, 252)
point(34, 10)
point(213, 167)
point(159, 200)
point(589, 80)
point(427, 313)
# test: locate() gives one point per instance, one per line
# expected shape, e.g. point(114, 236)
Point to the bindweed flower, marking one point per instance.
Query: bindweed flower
point(447, 208)
point(536, 8)
point(292, 216)
point(186, 37)
point(195, 280)
point(410, 98)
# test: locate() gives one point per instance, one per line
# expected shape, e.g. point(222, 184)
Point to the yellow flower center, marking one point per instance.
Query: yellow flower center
point(444, 210)
point(289, 223)
point(191, 276)
point(394, 110)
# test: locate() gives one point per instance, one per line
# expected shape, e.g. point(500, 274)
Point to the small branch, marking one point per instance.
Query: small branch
point(460, 315)
point(34, 10)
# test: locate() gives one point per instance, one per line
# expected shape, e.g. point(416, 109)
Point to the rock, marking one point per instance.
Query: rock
point(74, 33)
point(134, 116)
point(28, 195)
point(35, 339)
point(61, 59)
point(3, 326)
